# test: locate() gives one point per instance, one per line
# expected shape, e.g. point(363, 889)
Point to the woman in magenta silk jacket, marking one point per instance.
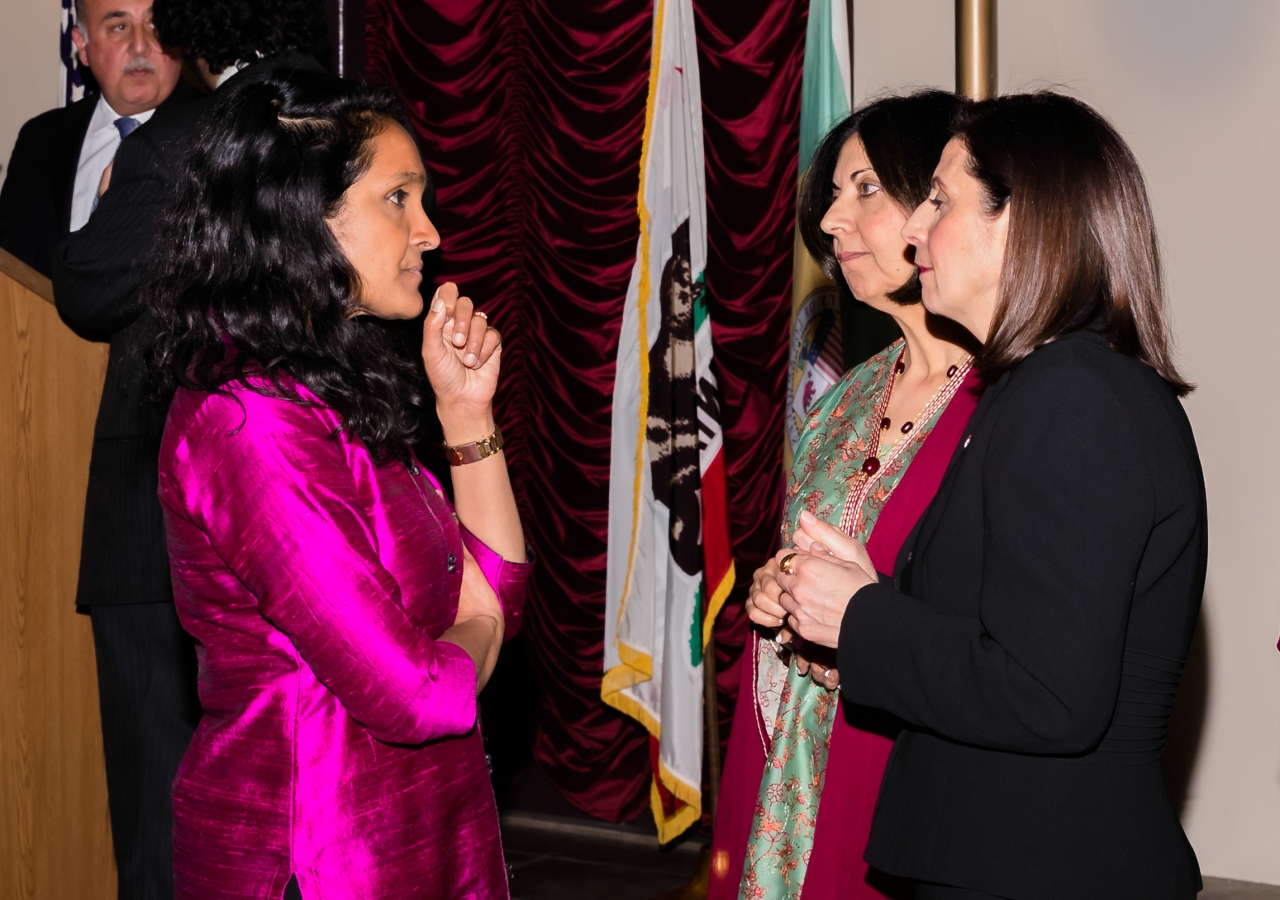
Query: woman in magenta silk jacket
point(347, 615)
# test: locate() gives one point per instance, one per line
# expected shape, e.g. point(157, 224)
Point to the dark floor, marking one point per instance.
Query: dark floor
point(557, 858)
point(562, 858)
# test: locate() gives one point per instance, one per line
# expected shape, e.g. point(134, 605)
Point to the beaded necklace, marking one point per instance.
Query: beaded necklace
point(874, 465)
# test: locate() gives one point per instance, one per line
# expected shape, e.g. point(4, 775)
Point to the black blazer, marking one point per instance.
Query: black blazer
point(35, 202)
point(123, 557)
point(1033, 638)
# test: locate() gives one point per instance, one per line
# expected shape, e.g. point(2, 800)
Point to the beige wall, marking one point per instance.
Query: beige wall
point(1193, 86)
point(28, 66)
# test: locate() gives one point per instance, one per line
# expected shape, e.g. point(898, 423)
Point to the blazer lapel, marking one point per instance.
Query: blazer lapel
point(927, 524)
point(64, 167)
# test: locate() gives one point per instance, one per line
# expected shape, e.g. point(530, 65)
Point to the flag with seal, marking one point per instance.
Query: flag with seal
point(669, 564)
point(817, 341)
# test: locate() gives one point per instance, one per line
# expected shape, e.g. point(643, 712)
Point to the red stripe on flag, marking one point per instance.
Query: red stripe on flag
point(671, 804)
point(717, 557)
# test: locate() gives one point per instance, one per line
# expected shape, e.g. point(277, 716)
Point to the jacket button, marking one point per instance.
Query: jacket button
point(414, 470)
point(452, 563)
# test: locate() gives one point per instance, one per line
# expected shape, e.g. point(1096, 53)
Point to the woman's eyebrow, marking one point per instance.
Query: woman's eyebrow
point(852, 175)
point(410, 176)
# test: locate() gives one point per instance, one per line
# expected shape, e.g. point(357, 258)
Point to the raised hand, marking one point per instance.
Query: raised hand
point(462, 355)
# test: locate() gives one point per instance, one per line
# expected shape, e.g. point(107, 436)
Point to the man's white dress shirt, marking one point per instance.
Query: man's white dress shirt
point(101, 142)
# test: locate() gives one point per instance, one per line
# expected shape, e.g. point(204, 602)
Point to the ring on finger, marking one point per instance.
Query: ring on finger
point(788, 562)
point(482, 315)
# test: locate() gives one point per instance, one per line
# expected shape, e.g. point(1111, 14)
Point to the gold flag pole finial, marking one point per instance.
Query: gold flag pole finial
point(976, 48)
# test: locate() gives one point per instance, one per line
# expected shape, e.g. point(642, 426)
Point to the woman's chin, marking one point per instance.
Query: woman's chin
point(397, 308)
point(413, 308)
point(930, 300)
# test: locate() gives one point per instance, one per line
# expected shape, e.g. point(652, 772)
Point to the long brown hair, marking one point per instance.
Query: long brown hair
point(1082, 249)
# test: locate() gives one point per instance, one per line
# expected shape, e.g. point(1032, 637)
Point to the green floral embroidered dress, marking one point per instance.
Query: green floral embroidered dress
point(832, 478)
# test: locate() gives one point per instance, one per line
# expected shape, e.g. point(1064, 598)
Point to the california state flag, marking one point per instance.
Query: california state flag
point(669, 568)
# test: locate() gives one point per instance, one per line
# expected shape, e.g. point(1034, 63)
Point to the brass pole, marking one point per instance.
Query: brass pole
point(849, 18)
point(976, 48)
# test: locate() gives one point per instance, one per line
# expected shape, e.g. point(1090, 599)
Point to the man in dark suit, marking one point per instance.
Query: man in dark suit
point(58, 160)
point(50, 191)
point(146, 662)
point(53, 190)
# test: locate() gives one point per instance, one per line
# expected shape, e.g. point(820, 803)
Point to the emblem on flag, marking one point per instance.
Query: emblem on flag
point(817, 356)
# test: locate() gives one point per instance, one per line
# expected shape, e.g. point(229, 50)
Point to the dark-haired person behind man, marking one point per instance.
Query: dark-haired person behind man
point(57, 163)
point(224, 39)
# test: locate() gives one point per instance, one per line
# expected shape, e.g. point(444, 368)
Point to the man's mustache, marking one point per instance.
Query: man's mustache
point(139, 64)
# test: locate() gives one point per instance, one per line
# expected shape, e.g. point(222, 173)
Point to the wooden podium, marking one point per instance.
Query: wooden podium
point(55, 835)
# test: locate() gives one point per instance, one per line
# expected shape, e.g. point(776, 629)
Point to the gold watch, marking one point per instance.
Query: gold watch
point(475, 451)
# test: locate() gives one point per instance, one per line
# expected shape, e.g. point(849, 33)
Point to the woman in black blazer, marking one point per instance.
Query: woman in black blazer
point(1036, 625)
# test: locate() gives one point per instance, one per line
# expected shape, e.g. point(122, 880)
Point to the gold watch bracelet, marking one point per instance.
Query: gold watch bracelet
point(475, 451)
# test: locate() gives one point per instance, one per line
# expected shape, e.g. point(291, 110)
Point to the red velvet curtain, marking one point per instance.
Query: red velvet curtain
point(531, 114)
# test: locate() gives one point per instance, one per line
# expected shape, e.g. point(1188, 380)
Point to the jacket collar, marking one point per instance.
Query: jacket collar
point(77, 125)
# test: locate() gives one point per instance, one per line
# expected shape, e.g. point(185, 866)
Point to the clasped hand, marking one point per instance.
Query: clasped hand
point(828, 568)
point(478, 626)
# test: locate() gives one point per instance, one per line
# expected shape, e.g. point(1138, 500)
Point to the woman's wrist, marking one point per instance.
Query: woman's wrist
point(463, 425)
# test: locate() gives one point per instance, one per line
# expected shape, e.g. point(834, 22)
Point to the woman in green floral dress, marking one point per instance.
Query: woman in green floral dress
point(871, 454)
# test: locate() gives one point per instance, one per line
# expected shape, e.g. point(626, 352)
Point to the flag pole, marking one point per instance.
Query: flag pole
point(711, 716)
point(976, 48)
point(848, 6)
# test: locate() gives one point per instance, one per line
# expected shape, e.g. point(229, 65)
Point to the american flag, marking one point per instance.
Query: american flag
point(70, 81)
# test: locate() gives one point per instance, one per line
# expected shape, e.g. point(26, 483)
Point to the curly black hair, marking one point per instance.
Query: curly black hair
point(249, 282)
point(224, 32)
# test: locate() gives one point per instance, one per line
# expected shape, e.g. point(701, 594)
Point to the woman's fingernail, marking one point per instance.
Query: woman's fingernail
point(807, 517)
point(436, 305)
point(470, 360)
point(459, 338)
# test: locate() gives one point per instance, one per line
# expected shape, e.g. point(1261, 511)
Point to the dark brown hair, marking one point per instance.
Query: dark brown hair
point(903, 137)
point(1082, 250)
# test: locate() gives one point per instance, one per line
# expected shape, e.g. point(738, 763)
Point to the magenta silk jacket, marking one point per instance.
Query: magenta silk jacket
point(339, 739)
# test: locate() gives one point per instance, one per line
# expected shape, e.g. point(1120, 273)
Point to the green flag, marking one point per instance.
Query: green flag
point(817, 349)
point(824, 91)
